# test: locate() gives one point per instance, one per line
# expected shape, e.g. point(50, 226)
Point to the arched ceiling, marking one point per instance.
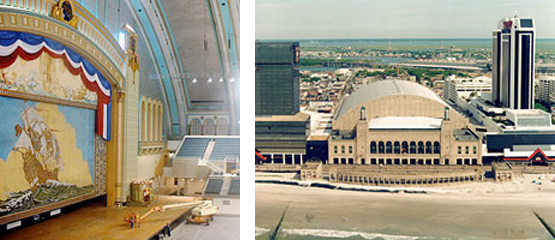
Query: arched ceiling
point(197, 55)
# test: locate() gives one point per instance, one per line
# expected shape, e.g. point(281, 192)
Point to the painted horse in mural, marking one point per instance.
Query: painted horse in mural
point(39, 149)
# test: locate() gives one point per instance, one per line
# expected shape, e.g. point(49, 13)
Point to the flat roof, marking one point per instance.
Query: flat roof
point(508, 153)
point(405, 123)
point(299, 117)
point(464, 135)
point(318, 138)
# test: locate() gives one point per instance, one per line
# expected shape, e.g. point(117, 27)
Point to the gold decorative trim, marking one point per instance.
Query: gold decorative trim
point(81, 43)
point(26, 96)
point(64, 11)
point(132, 52)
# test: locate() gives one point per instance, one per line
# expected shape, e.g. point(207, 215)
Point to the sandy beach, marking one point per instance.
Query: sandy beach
point(469, 211)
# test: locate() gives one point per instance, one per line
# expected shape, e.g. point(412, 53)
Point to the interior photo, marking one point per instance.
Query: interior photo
point(120, 119)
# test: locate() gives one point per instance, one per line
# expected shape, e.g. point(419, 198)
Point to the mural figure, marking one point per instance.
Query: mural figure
point(39, 149)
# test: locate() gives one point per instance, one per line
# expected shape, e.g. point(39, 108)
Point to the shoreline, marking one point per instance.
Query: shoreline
point(354, 215)
point(473, 210)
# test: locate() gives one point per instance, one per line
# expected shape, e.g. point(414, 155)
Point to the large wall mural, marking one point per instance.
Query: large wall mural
point(54, 126)
point(46, 154)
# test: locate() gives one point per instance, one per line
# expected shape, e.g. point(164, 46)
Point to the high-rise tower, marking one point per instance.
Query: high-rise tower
point(513, 63)
point(277, 78)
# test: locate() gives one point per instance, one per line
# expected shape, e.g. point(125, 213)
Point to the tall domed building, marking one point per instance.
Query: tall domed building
point(397, 122)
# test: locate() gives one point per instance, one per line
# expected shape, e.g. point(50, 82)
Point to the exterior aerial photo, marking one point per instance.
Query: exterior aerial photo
point(405, 119)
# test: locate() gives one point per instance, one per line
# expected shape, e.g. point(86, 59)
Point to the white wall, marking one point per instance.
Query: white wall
point(146, 165)
point(233, 208)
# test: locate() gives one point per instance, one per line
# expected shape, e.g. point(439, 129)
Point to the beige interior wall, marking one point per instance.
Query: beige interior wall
point(146, 166)
point(130, 130)
point(195, 186)
point(232, 208)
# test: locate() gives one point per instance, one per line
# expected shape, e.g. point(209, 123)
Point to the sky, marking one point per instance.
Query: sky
point(344, 19)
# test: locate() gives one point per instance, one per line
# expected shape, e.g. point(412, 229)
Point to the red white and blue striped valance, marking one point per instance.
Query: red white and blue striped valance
point(29, 47)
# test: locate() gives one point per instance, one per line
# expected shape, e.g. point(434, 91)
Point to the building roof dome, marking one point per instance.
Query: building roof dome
point(383, 89)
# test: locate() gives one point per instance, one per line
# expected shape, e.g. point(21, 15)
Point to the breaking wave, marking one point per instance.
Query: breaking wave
point(328, 233)
point(260, 231)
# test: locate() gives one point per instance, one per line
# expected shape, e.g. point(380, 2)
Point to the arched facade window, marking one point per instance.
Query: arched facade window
point(373, 147)
point(208, 127)
point(148, 121)
point(404, 147)
point(143, 123)
point(437, 148)
point(151, 119)
point(412, 148)
point(428, 147)
point(381, 147)
point(388, 147)
point(420, 147)
point(196, 127)
point(396, 148)
point(159, 126)
point(222, 127)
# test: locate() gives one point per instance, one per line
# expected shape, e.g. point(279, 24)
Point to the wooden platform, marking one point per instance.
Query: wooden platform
point(95, 221)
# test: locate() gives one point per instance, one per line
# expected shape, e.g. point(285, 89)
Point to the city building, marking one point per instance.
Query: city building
point(281, 129)
point(277, 78)
point(465, 88)
point(521, 137)
point(282, 138)
point(396, 122)
point(514, 47)
point(546, 89)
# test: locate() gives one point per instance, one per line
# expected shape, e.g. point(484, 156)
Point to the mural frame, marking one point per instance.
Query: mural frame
point(100, 155)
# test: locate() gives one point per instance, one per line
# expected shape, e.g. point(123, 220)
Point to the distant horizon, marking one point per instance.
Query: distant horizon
point(330, 39)
point(395, 19)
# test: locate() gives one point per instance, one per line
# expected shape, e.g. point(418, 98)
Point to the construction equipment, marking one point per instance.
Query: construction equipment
point(202, 212)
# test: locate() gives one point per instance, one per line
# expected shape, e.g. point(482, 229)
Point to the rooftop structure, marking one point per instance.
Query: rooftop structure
point(465, 87)
point(528, 119)
point(400, 123)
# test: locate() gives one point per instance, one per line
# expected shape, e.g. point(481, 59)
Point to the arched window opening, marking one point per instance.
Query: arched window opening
point(222, 127)
point(404, 147)
point(412, 148)
point(437, 148)
point(428, 147)
point(373, 147)
point(420, 147)
point(388, 147)
point(208, 128)
point(396, 148)
point(196, 127)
